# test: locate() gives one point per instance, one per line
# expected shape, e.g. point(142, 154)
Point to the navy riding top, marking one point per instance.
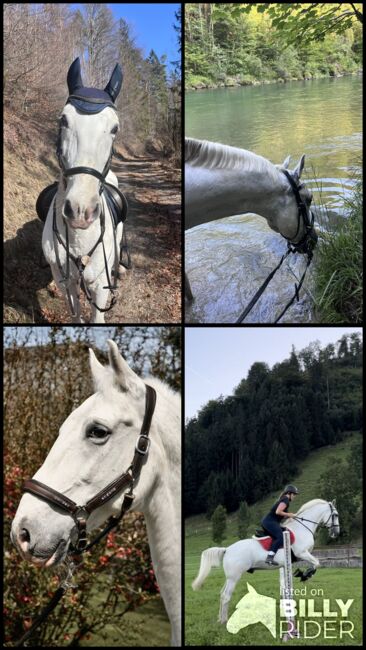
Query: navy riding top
point(272, 512)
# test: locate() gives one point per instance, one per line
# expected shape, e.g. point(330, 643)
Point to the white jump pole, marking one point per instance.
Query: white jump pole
point(286, 589)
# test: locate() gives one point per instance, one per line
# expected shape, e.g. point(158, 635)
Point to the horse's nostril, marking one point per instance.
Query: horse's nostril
point(24, 535)
point(68, 210)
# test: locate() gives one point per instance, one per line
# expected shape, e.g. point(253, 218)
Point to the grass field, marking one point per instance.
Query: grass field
point(201, 607)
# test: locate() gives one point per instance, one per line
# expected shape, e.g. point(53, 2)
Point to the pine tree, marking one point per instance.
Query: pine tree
point(218, 524)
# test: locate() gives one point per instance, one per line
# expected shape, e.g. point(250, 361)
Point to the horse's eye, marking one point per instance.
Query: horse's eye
point(114, 130)
point(98, 432)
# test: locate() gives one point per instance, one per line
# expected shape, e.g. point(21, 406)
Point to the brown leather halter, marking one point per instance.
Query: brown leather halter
point(80, 514)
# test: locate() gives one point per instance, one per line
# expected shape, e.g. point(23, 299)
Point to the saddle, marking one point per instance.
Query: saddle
point(116, 201)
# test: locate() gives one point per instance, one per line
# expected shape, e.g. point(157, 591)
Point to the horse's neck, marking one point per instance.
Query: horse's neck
point(163, 523)
point(162, 507)
point(216, 193)
point(314, 515)
point(168, 485)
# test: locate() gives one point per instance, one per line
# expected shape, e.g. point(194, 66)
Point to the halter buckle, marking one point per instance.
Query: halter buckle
point(143, 452)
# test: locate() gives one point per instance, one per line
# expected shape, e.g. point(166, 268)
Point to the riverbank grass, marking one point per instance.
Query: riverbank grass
point(338, 277)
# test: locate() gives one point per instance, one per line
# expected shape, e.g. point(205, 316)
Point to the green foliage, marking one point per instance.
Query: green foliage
point(218, 521)
point(243, 519)
point(240, 448)
point(230, 43)
point(307, 479)
point(343, 479)
point(339, 263)
point(202, 606)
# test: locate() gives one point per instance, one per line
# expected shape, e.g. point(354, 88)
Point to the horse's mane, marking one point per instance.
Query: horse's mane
point(311, 504)
point(201, 153)
point(173, 400)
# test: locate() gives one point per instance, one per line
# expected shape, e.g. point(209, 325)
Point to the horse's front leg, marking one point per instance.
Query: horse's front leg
point(71, 294)
point(99, 295)
point(74, 303)
point(307, 557)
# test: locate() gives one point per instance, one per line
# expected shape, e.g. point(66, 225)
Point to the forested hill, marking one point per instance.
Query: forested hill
point(241, 447)
point(229, 44)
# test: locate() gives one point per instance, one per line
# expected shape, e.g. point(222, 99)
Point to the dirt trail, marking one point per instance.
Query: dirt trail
point(148, 293)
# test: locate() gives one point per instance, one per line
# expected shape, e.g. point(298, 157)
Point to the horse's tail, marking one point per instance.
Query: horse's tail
point(211, 557)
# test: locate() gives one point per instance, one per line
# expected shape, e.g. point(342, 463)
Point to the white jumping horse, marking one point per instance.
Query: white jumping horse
point(95, 445)
point(88, 127)
point(249, 554)
point(223, 181)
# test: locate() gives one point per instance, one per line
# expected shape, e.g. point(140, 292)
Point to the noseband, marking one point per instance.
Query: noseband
point(80, 514)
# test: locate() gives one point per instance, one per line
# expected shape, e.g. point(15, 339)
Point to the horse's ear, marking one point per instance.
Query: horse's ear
point(74, 80)
point(286, 162)
point(125, 377)
point(115, 83)
point(299, 167)
point(97, 370)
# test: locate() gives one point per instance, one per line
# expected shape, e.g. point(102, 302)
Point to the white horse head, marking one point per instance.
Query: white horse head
point(222, 181)
point(86, 140)
point(95, 445)
point(88, 127)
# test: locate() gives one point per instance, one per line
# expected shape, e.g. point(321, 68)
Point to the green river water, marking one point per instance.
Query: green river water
point(226, 260)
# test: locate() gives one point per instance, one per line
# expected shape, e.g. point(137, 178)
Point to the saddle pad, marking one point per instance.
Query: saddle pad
point(45, 199)
point(117, 208)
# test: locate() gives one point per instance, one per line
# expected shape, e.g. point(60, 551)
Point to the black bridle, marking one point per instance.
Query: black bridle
point(80, 514)
point(308, 241)
point(305, 246)
point(333, 515)
point(81, 261)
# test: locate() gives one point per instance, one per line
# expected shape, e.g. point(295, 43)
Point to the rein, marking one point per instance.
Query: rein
point(304, 246)
point(81, 261)
point(317, 523)
point(80, 514)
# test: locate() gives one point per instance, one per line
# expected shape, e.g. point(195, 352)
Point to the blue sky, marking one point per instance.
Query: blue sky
point(217, 358)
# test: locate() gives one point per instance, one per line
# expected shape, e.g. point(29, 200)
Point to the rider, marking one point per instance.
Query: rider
point(271, 522)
